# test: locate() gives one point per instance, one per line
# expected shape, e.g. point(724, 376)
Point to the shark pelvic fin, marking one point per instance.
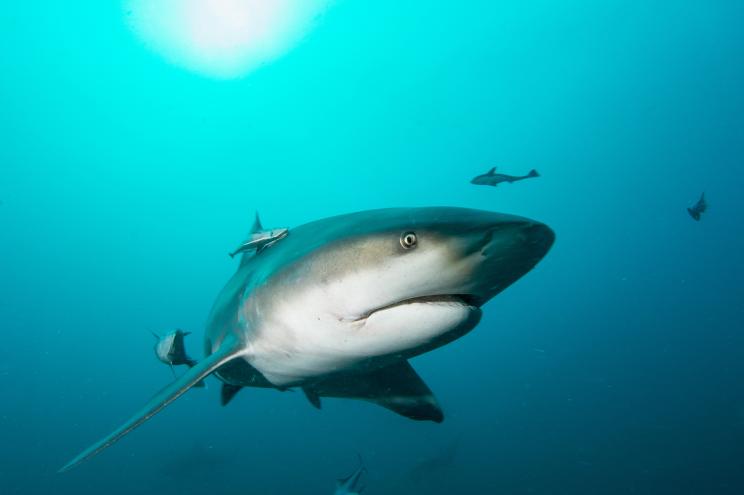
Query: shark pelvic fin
point(228, 350)
point(312, 397)
point(400, 389)
point(396, 387)
point(228, 392)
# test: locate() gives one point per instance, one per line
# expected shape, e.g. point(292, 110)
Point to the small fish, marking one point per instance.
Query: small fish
point(493, 179)
point(260, 239)
point(699, 208)
point(352, 485)
point(171, 350)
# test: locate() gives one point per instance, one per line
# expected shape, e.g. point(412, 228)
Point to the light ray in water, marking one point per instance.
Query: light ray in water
point(222, 38)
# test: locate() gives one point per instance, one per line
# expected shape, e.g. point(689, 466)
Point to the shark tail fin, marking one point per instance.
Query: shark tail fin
point(533, 173)
point(201, 370)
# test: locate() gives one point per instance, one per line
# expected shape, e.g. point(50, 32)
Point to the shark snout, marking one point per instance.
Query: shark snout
point(531, 239)
point(506, 252)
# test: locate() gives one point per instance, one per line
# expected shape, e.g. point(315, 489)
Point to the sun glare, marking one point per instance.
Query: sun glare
point(222, 38)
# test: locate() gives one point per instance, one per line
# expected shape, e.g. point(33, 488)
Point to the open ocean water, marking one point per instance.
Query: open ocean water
point(138, 139)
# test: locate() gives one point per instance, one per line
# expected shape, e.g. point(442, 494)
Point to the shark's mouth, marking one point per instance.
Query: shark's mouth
point(459, 300)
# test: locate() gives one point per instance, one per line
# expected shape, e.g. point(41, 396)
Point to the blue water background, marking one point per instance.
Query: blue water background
point(615, 367)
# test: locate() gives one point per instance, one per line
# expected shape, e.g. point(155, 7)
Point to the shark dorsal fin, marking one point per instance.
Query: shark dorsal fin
point(257, 227)
point(492, 171)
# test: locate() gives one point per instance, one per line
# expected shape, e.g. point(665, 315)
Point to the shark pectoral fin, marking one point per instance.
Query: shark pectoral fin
point(396, 387)
point(228, 392)
point(312, 397)
point(225, 353)
point(399, 388)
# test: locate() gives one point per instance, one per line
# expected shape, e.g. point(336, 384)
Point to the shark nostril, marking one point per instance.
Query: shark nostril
point(510, 239)
point(540, 236)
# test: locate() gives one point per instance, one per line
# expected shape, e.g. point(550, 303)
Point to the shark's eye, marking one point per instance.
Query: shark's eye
point(408, 240)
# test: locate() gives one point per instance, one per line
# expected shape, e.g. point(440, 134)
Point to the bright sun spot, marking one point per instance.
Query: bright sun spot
point(222, 38)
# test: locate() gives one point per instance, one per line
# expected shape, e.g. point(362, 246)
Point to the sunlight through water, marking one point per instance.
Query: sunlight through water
point(222, 38)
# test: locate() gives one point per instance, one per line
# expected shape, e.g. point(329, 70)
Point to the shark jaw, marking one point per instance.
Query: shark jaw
point(450, 301)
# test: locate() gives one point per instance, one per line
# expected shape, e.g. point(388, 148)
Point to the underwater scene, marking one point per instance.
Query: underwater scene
point(273, 247)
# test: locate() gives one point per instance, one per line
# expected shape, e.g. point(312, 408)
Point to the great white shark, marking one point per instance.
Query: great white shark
point(338, 307)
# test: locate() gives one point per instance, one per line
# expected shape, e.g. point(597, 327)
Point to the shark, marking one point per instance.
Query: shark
point(352, 484)
point(439, 464)
point(492, 178)
point(342, 305)
point(699, 208)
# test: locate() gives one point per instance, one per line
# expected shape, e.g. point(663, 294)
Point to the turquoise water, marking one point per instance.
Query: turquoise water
point(613, 367)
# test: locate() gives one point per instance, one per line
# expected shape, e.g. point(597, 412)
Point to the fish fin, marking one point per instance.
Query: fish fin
point(191, 363)
point(228, 392)
point(257, 227)
point(396, 387)
point(178, 348)
point(157, 337)
point(229, 350)
point(492, 171)
point(312, 397)
point(533, 173)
